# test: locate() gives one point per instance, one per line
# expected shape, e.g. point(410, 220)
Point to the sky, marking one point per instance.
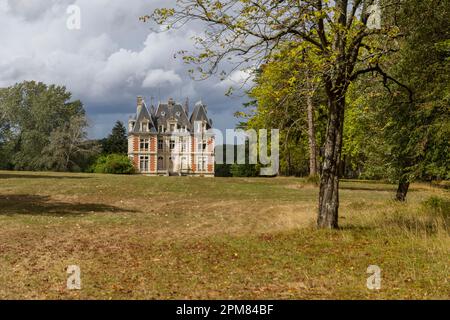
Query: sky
point(112, 58)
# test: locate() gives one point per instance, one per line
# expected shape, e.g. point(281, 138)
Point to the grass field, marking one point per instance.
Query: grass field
point(216, 238)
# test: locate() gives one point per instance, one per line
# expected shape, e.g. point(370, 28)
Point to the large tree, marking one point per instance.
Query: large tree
point(117, 141)
point(68, 148)
point(36, 116)
point(287, 96)
point(341, 45)
point(409, 139)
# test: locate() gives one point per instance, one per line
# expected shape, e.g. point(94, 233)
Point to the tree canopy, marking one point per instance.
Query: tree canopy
point(42, 128)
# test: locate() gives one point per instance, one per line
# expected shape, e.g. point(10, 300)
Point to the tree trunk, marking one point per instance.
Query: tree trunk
point(402, 190)
point(329, 180)
point(311, 138)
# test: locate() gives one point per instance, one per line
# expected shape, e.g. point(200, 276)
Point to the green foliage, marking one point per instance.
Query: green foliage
point(117, 141)
point(244, 170)
point(41, 128)
point(279, 100)
point(114, 164)
point(390, 133)
point(222, 170)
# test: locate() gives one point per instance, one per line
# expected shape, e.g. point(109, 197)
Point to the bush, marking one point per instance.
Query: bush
point(222, 170)
point(113, 163)
point(244, 170)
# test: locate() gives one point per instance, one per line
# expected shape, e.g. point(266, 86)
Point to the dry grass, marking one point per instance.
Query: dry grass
point(159, 237)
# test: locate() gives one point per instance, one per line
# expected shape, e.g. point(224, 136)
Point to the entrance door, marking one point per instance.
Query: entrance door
point(160, 163)
point(184, 164)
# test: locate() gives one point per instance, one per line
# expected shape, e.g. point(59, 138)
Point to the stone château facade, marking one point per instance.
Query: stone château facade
point(169, 141)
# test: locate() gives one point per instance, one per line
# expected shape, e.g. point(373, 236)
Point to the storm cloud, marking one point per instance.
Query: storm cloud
point(110, 60)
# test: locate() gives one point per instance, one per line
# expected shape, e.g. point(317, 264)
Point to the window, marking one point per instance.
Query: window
point(202, 162)
point(172, 144)
point(143, 163)
point(160, 144)
point(144, 126)
point(201, 146)
point(172, 127)
point(184, 164)
point(183, 144)
point(143, 146)
point(197, 126)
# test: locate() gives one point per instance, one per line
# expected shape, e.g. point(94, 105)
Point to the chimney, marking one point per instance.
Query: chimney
point(140, 101)
point(186, 106)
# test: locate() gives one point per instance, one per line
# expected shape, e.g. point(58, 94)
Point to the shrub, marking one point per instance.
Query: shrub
point(244, 170)
point(113, 163)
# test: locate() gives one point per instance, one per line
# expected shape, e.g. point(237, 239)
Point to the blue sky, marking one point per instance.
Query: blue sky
point(110, 60)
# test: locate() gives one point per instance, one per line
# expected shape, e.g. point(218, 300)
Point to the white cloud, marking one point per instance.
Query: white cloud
point(157, 77)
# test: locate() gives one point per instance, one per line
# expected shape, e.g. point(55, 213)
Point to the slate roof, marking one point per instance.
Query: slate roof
point(141, 115)
point(200, 114)
point(168, 111)
point(171, 110)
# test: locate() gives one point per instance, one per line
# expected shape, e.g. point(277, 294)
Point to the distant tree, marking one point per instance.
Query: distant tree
point(67, 149)
point(117, 141)
point(222, 169)
point(36, 116)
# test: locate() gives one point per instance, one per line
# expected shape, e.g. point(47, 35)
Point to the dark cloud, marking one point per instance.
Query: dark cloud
point(108, 62)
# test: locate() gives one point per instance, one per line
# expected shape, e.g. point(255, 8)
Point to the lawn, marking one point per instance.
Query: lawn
point(142, 237)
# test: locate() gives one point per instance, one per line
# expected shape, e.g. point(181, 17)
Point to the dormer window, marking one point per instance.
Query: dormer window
point(172, 127)
point(178, 113)
point(144, 126)
point(198, 127)
point(163, 113)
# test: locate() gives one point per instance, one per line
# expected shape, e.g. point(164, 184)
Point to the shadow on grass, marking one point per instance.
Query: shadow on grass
point(354, 227)
point(428, 226)
point(37, 176)
point(21, 204)
point(375, 188)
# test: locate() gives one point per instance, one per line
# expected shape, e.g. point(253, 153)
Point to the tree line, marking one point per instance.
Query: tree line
point(41, 128)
